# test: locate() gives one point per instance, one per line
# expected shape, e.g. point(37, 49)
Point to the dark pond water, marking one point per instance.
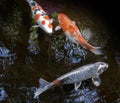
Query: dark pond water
point(33, 54)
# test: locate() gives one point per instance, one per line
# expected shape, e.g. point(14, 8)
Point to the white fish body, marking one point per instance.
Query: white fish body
point(75, 77)
point(41, 17)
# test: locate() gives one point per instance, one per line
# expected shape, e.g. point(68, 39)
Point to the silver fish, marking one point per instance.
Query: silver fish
point(75, 77)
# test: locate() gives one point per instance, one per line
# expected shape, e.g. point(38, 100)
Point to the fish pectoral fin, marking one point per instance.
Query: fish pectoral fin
point(43, 83)
point(57, 28)
point(51, 20)
point(74, 22)
point(96, 80)
point(36, 26)
point(77, 85)
point(79, 32)
point(67, 38)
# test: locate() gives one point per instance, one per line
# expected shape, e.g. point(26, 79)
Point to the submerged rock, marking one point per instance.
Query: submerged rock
point(3, 94)
point(85, 95)
point(6, 58)
point(33, 42)
point(66, 51)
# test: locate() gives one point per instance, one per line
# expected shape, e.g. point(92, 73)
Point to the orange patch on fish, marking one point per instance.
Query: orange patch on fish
point(85, 43)
point(46, 17)
point(56, 82)
point(49, 25)
point(43, 22)
point(37, 16)
point(71, 29)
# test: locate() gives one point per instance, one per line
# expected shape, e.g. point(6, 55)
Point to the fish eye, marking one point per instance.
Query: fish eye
point(36, 11)
point(102, 64)
point(32, 4)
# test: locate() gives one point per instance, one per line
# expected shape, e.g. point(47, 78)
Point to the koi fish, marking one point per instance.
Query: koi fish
point(75, 77)
point(73, 34)
point(40, 17)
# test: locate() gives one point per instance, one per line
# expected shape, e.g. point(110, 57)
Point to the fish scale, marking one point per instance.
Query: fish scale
point(76, 76)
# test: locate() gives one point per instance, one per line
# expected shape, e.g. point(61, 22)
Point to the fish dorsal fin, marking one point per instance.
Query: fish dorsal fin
point(57, 28)
point(77, 85)
point(43, 83)
point(96, 80)
point(74, 22)
point(79, 32)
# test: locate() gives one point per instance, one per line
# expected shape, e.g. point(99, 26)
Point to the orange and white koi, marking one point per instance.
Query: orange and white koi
point(41, 17)
point(73, 34)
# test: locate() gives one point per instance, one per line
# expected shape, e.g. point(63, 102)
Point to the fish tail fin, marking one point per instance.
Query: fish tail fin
point(44, 85)
point(96, 50)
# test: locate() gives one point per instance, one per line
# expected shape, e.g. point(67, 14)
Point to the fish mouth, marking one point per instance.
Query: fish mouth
point(102, 67)
point(103, 64)
point(105, 67)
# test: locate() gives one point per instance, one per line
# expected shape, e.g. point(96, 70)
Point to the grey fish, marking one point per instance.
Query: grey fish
point(75, 77)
